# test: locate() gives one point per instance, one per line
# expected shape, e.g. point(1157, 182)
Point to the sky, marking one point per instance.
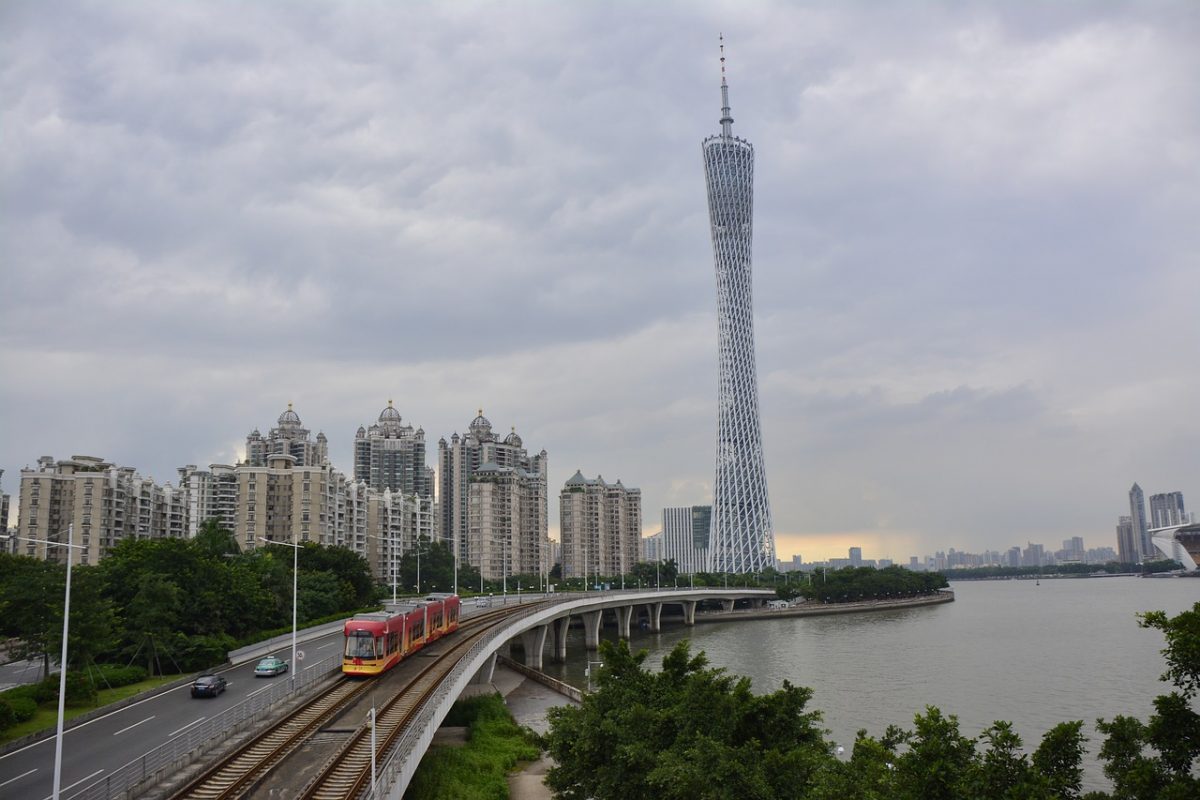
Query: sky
point(976, 248)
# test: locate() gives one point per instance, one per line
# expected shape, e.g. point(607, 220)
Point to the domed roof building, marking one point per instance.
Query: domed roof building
point(390, 455)
point(290, 438)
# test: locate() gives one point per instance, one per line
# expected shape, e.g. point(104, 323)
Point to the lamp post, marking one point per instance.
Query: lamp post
point(62, 664)
point(295, 571)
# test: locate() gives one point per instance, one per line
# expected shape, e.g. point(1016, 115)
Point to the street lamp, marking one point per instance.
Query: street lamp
point(62, 664)
point(295, 571)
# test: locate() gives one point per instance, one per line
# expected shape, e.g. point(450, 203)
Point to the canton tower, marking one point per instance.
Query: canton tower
point(742, 537)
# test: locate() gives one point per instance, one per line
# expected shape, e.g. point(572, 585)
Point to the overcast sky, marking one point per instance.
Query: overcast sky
point(976, 272)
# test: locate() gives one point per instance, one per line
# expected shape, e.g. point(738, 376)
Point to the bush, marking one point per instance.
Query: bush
point(28, 691)
point(80, 690)
point(7, 717)
point(23, 708)
point(115, 675)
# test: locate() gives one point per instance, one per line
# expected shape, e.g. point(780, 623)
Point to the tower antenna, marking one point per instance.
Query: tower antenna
point(726, 119)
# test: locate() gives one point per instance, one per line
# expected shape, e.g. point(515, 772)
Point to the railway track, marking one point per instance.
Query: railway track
point(238, 772)
point(348, 772)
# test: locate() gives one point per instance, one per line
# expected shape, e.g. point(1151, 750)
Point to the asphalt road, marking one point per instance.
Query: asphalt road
point(115, 739)
point(17, 673)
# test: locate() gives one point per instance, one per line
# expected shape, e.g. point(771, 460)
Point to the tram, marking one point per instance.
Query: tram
point(379, 640)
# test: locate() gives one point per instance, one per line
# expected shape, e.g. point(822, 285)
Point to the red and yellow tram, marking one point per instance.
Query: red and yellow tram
point(377, 641)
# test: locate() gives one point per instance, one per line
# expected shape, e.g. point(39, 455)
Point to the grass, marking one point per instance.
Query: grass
point(478, 771)
point(47, 717)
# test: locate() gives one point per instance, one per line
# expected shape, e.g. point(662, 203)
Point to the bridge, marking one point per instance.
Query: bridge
point(533, 628)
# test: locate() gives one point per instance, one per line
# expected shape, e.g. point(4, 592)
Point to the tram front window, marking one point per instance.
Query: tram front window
point(360, 644)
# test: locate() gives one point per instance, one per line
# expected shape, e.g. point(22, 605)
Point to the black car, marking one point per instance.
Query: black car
point(208, 686)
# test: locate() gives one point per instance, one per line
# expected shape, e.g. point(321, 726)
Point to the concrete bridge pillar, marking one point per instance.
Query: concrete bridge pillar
point(689, 612)
point(591, 629)
point(655, 610)
point(558, 630)
point(534, 640)
point(484, 675)
point(624, 615)
point(727, 605)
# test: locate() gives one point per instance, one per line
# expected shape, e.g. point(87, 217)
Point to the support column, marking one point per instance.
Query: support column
point(624, 615)
point(484, 675)
point(655, 613)
point(534, 640)
point(591, 630)
point(558, 629)
point(689, 612)
point(727, 606)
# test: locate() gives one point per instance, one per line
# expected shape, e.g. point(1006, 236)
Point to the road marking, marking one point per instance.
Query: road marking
point(22, 775)
point(310, 666)
point(134, 725)
point(73, 785)
point(256, 691)
point(185, 727)
point(322, 647)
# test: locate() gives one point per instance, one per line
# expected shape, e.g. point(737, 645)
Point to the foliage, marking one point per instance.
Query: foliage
point(31, 595)
point(694, 732)
point(437, 569)
point(476, 771)
point(1161, 758)
point(851, 584)
point(1078, 570)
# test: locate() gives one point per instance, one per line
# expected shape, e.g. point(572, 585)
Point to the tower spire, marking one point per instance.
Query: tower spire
point(726, 120)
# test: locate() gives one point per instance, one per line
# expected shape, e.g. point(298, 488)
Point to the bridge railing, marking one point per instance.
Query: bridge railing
point(127, 780)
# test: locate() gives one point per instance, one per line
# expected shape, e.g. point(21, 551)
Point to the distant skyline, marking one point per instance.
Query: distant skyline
point(974, 261)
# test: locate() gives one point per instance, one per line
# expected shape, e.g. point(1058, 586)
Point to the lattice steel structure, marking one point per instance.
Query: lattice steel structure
point(743, 538)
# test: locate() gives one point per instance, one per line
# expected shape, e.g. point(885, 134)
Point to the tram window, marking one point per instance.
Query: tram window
point(379, 645)
point(359, 645)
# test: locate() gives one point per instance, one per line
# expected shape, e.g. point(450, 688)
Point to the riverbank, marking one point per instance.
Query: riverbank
point(812, 609)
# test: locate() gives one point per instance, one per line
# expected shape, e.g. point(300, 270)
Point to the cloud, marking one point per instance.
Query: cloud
point(975, 254)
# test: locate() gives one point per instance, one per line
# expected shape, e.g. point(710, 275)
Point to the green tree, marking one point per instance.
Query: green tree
point(31, 598)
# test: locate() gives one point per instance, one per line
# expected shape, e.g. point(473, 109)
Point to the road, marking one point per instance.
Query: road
point(125, 735)
point(17, 673)
point(122, 736)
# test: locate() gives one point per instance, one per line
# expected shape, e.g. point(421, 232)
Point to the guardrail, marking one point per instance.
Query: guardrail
point(129, 780)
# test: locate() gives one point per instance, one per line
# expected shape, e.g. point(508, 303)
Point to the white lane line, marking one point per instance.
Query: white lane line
point(134, 725)
point(256, 691)
point(22, 775)
point(185, 727)
point(322, 647)
point(73, 785)
point(310, 666)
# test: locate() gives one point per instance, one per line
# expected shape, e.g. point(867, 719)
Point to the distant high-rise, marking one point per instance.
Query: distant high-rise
point(743, 537)
point(1167, 509)
point(856, 559)
point(1141, 530)
point(1127, 544)
point(289, 438)
point(686, 537)
point(4, 501)
point(391, 455)
point(601, 527)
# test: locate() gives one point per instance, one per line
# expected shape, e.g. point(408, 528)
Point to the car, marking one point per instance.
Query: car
point(208, 685)
point(270, 666)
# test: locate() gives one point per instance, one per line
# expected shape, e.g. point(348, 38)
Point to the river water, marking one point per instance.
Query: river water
point(1032, 654)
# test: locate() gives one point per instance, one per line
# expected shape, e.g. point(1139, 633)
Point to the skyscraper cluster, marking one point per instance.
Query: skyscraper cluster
point(1135, 543)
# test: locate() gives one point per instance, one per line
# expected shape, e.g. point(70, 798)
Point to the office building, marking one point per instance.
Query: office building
point(743, 537)
point(1141, 527)
point(391, 455)
point(1167, 509)
point(856, 559)
point(601, 527)
point(686, 532)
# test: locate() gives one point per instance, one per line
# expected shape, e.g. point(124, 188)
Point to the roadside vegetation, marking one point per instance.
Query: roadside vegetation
point(692, 732)
point(478, 770)
point(1070, 570)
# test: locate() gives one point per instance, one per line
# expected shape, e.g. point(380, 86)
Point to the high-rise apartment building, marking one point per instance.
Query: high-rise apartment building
point(652, 547)
point(289, 437)
point(459, 461)
point(391, 455)
point(743, 537)
point(506, 522)
point(686, 535)
point(211, 494)
point(97, 504)
point(4, 502)
point(1128, 551)
point(601, 527)
point(1141, 527)
point(1167, 509)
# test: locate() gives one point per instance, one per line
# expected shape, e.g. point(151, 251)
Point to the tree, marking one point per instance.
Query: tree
point(1161, 758)
point(31, 604)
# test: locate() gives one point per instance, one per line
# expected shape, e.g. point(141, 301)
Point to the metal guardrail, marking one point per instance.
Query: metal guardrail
point(125, 781)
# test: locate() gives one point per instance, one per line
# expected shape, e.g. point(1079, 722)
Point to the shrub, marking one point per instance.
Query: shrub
point(114, 675)
point(7, 717)
point(23, 708)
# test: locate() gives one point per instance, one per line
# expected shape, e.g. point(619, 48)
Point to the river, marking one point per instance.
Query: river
point(1032, 654)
